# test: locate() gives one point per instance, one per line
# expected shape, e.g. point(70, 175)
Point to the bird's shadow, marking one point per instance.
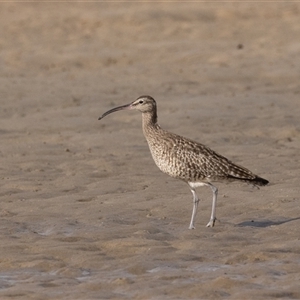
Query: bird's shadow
point(265, 223)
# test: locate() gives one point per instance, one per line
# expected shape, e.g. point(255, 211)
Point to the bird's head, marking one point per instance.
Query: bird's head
point(143, 104)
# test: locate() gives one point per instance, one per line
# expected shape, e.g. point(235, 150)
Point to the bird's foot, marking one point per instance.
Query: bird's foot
point(191, 226)
point(211, 223)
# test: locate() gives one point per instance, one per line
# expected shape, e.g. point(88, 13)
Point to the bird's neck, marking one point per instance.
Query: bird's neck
point(150, 122)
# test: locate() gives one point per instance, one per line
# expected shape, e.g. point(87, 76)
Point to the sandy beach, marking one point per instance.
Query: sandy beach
point(85, 213)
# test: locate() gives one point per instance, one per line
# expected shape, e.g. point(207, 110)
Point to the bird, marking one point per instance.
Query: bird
point(184, 159)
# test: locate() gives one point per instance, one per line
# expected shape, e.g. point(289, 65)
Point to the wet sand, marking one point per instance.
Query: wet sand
point(85, 213)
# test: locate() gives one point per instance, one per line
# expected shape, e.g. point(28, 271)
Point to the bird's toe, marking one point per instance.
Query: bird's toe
point(211, 223)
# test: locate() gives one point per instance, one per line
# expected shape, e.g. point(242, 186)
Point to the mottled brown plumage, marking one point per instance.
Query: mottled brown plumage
point(184, 159)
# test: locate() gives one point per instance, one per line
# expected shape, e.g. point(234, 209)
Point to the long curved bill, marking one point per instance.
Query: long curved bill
point(127, 106)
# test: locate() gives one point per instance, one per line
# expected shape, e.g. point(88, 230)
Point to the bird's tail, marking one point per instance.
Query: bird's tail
point(240, 173)
point(259, 181)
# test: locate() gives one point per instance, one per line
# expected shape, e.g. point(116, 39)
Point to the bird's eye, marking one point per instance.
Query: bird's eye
point(141, 102)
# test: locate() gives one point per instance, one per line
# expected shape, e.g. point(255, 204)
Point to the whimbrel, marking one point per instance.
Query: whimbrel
point(184, 159)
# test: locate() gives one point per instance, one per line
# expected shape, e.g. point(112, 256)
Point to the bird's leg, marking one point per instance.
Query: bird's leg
point(213, 218)
point(195, 206)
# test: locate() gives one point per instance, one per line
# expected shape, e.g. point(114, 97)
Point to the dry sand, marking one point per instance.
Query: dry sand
point(85, 213)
